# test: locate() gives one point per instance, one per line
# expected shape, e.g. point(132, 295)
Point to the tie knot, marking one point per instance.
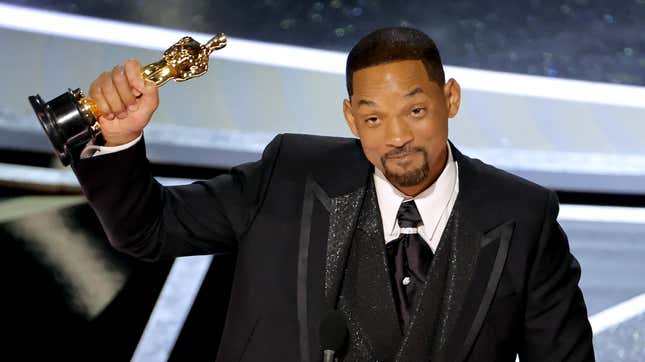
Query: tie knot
point(408, 215)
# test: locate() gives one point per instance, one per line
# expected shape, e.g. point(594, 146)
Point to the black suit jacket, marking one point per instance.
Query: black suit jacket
point(280, 215)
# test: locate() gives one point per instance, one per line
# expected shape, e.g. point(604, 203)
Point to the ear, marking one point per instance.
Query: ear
point(349, 117)
point(452, 95)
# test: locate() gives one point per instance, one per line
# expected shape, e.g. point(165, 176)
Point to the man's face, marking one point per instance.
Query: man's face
point(401, 117)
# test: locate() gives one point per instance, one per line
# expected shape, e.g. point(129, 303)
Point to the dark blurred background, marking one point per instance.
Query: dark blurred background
point(596, 40)
point(554, 91)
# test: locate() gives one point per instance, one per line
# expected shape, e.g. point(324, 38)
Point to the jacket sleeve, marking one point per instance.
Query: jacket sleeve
point(556, 326)
point(147, 220)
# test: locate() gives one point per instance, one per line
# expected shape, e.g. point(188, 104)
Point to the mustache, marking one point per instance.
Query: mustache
point(399, 152)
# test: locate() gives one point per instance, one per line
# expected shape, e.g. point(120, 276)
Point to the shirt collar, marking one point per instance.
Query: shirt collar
point(430, 202)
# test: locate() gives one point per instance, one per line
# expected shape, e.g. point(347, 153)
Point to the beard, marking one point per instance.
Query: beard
point(409, 178)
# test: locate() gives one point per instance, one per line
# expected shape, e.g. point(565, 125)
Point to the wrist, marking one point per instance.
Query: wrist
point(114, 141)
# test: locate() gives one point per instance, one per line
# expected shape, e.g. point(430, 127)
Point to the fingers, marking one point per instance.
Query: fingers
point(133, 73)
point(125, 100)
point(124, 90)
point(149, 97)
point(96, 94)
point(111, 95)
point(116, 92)
point(144, 90)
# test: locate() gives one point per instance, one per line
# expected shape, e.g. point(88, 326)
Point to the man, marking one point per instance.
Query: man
point(426, 253)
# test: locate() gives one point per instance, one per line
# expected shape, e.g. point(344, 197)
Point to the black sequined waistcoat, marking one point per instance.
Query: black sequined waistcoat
point(367, 302)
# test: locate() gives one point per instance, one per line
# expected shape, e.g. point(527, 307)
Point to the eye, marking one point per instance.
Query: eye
point(372, 121)
point(418, 112)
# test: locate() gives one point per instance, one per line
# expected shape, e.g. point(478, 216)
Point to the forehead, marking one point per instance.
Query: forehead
point(393, 77)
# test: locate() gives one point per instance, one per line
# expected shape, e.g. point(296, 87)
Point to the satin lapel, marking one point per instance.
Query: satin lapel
point(480, 247)
point(315, 209)
point(491, 259)
point(326, 230)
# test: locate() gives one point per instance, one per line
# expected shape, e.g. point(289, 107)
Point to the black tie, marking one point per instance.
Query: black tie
point(408, 257)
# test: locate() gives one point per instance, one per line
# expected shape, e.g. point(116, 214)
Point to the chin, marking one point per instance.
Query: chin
point(408, 178)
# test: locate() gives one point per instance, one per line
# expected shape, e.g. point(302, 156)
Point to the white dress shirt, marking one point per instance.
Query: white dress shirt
point(434, 204)
point(92, 150)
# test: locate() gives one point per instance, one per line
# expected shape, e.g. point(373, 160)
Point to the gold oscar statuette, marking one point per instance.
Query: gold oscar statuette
point(70, 120)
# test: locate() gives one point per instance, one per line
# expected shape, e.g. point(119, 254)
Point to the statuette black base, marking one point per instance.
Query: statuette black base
point(63, 122)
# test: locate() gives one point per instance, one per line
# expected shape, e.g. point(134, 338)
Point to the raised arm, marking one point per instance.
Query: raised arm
point(142, 217)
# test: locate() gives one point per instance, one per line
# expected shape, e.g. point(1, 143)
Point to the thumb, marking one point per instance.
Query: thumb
point(149, 98)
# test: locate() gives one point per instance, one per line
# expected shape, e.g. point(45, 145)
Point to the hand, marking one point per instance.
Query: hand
point(126, 102)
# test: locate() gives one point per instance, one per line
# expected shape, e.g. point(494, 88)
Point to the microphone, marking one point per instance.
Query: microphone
point(333, 333)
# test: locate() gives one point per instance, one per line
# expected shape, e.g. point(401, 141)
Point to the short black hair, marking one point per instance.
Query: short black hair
point(394, 44)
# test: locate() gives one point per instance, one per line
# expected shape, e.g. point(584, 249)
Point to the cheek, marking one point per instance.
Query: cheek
point(425, 131)
point(434, 126)
point(373, 152)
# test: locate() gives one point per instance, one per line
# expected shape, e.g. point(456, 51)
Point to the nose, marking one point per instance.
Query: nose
point(398, 133)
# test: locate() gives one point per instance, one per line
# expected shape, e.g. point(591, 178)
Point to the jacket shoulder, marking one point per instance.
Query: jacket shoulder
point(509, 191)
point(338, 164)
point(311, 146)
point(504, 180)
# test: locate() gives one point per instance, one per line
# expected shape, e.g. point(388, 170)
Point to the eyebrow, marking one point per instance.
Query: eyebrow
point(365, 102)
point(414, 92)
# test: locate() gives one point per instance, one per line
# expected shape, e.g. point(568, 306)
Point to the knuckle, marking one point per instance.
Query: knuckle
point(118, 107)
point(122, 86)
point(111, 99)
point(133, 77)
point(104, 107)
point(118, 76)
point(92, 91)
point(103, 80)
point(102, 104)
point(126, 95)
point(107, 89)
